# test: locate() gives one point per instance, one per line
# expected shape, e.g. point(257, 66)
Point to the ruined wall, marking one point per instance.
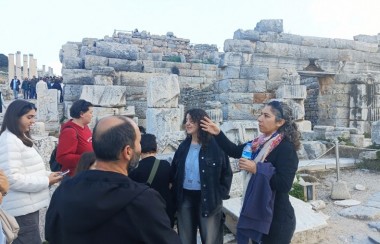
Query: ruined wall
point(311, 101)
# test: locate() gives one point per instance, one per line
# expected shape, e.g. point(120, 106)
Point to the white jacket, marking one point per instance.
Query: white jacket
point(28, 178)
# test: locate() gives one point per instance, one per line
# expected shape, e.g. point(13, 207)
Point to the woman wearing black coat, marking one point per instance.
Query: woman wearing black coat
point(274, 155)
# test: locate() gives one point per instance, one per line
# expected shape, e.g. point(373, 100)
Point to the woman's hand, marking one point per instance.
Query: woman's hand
point(248, 165)
point(4, 183)
point(209, 126)
point(54, 178)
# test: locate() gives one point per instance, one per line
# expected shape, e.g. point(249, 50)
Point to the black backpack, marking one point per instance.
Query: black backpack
point(54, 165)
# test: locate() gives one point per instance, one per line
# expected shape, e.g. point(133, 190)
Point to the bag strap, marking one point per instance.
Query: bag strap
point(154, 171)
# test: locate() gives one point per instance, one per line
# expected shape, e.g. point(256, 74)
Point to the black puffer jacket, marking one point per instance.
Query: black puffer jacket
point(215, 175)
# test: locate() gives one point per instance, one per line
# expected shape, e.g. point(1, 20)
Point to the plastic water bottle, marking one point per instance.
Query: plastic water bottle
point(247, 151)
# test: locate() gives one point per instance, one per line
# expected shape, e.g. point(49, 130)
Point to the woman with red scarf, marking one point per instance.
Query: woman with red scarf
point(267, 215)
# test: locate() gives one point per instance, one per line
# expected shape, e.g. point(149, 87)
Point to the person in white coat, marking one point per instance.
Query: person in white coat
point(28, 178)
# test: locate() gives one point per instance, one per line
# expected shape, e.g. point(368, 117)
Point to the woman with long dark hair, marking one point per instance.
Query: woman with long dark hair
point(269, 164)
point(29, 180)
point(202, 178)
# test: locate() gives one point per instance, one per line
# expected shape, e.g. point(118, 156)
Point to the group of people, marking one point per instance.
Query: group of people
point(28, 87)
point(117, 191)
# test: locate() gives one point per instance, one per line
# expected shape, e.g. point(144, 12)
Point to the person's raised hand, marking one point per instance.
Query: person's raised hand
point(209, 126)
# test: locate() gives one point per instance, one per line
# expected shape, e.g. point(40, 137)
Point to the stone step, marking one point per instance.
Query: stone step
point(310, 225)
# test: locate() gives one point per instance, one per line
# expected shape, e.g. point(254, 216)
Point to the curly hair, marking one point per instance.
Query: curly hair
point(197, 115)
point(289, 129)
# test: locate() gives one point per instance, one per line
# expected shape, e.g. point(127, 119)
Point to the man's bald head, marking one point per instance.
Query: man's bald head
point(111, 135)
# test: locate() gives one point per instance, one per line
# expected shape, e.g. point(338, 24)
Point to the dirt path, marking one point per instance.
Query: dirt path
point(341, 229)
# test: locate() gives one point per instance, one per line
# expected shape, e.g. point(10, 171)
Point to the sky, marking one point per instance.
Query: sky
point(41, 27)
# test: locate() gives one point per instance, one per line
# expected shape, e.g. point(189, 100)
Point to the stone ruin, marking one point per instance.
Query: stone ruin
point(328, 82)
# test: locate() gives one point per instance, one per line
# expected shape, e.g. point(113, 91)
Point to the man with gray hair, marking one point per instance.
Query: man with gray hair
point(104, 205)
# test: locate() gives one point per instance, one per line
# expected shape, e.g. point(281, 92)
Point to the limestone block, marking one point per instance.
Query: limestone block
point(290, 38)
point(77, 76)
point(103, 80)
point(253, 72)
point(237, 111)
point(298, 109)
point(230, 72)
point(163, 91)
point(375, 132)
point(231, 59)
point(189, 72)
point(323, 129)
point(208, 73)
point(47, 104)
point(272, 86)
point(335, 135)
point(126, 65)
point(116, 50)
point(45, 145)
point(314, 149)
point(235, 97)
point(368, 155)
point(168, 142)
point(70, 50)
point(71, 92)
point(92, 94)
point(309, 135)
point(291, 92)
point(101, 112)
point(281, 49)
point(113, 96)
point(232, 85)
point(250, 35)
point(72, 63)
point(191, 82)
point(89, 41)
point(360, 114)
point(257, 86)
point(275, 74)
point(162, 120)
point(240, 131)
point(358, 96)
point(352, 130)
point(91, 61)
point(103, 70)
point(135, 78)
point(136, 93)
point(38, 129)
point(140, 108)
point(367, 38)
point(362, 126)
point(244, 46)
point(270, 25)
point(85, 50)
point(337, 112)
point(304, 125)
point(366, 47)
point(357, 140)
point(262, 97)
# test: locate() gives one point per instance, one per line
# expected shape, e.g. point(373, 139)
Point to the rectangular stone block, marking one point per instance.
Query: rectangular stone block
point(304, 125)
point(262, 97)
point(357, 140)
point(72, 63)
point(162, 120)
point(126, 65)
point(244, 46)
point(77, 76)
point(234, 97)
point(91, 61)
point(257, 86)
point(323, 129)
point(163, 91)
point(237, 111)
point(71, 92)
point(335, 135)
point(232, 85)
point(291, 92)
point(359, 114)
point(362, 126)
point(231, 59)
point(116, 50)
point(240, 131)
point(253, 72)
point(375, 132)
point(230, 72)
point(134, 78)
point(70, 50)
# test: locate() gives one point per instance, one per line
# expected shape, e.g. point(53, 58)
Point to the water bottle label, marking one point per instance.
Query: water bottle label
point(246, 154)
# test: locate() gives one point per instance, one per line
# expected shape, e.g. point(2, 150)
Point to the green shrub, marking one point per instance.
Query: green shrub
point(370, 164)
point(297, 191)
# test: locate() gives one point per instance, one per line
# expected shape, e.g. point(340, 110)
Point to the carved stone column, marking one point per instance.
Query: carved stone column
point(11, 66)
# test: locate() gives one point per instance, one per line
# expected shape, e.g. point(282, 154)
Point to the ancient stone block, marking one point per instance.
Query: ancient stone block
point(163, 120)
point(357, 140)
point(262, 97)
point(335, 135)
point(135, 93)
point(323, 129)
point(270, 25)
point(163, 91)
point(240, 131)
point(304, 125)
point(91, 61)
point(126, 65)
point(314, 149)
point(291, 92)
point(72, 63)
point(367, 38)
point(360, 114)
point(257, 86)
point(232, 85)
point(231, 59)
point(116, 50)
point(47, 104)
point(230, 72)
point(237, 111)
point(234, 97)
point(70, 50)
point(77, 76)
point(362, 126)
point(72, 92)
point(105, 96)
point(309, 135)
point(244, 46)
point(375, 132)
point(92, 93)
point(253, 72)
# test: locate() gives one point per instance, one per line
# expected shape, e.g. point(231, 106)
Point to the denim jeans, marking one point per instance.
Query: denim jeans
point(190, 219)
point(15, 93)
point(29, 229)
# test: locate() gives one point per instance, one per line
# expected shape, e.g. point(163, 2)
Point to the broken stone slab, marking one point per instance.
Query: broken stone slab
point(77, 76)
point(347, 203)
point(126, 65)
point(339, 190)
point(105, 96)
point(374, 239)
point(69, 50)
point(240, 131)
point(116, 50)
point(314, 149)
point(162, 120)
point(91, 61)
point(72, 63)
point(361, 212)
point(270, 25)
point(163, 91)
point(317, 204)
point(240, 45)
point(168, 142)
point(375, 224)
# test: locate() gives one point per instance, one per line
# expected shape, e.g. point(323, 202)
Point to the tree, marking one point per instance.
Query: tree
point(3, 60)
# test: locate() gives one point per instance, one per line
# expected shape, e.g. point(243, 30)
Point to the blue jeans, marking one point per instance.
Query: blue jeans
point(15, 93)
point(190, 218)
point(29, 229)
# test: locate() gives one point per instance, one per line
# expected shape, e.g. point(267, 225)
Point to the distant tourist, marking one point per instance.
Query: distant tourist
point(2, 103)
point(25, 88)
point(104, 205)
point(15, 86)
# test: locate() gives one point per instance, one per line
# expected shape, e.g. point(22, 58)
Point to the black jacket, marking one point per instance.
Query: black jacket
point(106, 207)
point(17, 84)
point(284, 158)
point(215, 174)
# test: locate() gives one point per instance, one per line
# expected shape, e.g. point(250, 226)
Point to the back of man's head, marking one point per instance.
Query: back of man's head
point(148, 143)
point(111, 135)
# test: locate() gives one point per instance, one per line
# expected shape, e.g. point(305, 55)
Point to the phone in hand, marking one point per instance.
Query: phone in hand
point(64, 172)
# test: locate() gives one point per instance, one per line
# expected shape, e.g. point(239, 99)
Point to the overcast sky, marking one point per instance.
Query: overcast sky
point(41, 27)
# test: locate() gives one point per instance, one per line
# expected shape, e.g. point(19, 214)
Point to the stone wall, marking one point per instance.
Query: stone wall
point(311, 101)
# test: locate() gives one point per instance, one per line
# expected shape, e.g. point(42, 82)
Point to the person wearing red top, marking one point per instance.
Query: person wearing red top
point(75, 137)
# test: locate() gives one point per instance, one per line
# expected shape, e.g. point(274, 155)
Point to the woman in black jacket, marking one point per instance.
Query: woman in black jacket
point(277, 145)
point(202, 178)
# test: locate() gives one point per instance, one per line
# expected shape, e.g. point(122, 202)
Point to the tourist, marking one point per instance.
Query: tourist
point(25, 169)
point(4, 187)
point(86, 162)
point(202, 178)
point(104, 205)
point(2, 102)
point(158, 177)
point(75, 137)
point(15, 86)
point(56, 85)
point(25, 88)
point(271, 167)
point(33, 83)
